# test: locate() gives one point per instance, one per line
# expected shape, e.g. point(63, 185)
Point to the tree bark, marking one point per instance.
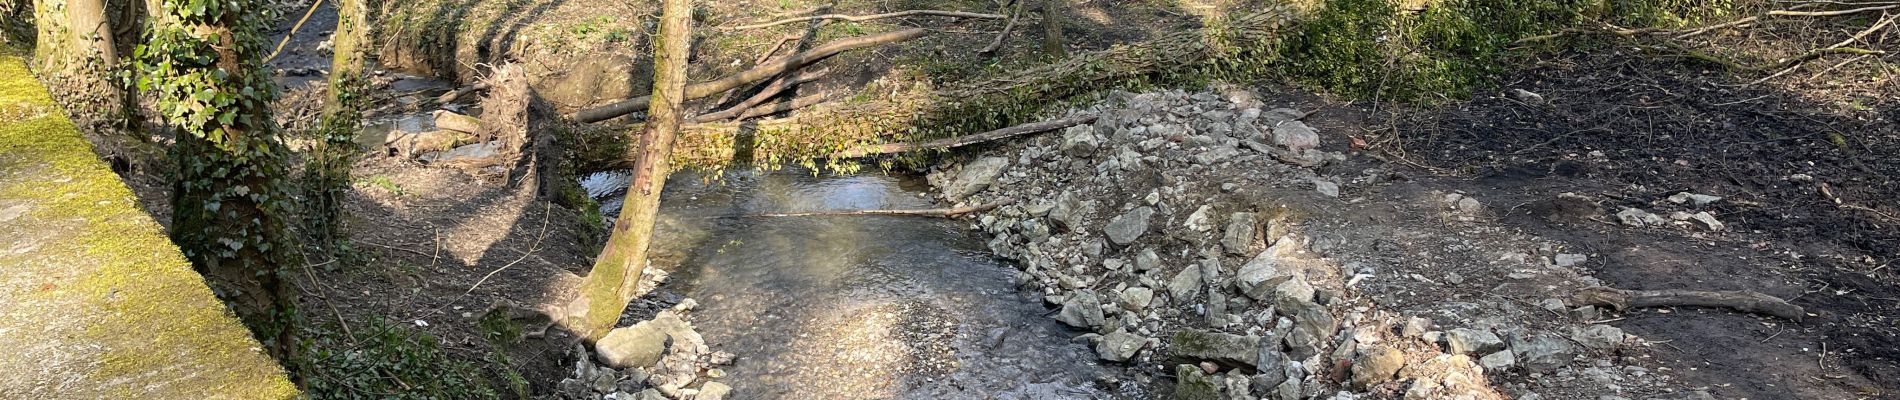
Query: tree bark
point(1052, 28)
point(76, 55)
point(604, 293)
point(328, 175)
point(230, 204)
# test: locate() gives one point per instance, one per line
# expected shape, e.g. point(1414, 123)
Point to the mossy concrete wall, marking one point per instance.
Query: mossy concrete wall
point(95, 300)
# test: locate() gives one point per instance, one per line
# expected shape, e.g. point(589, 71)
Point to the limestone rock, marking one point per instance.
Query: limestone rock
point(1238, 237)
point(1080, 141)
point(1472, 341)
point(1598, 336)
point(1295, 136)
point(975, 176)
point(1543, 353)
point(1119, 346)
point(1186, 285)
point(1376, 365)
point(1224, 348)
point(1136, 299)
point(1082, 310)
point(1190, 383)
point(1499, 361)
point(1125, 228)
point(642, 344)
point(713, 391)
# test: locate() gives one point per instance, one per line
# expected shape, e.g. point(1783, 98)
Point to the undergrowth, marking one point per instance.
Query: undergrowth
point(1373, 49)
point(387, 360)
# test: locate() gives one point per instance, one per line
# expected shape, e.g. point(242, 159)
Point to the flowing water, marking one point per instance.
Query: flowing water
point(855, 306)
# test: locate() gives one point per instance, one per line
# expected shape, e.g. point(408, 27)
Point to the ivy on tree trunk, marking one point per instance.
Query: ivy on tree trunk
point(202, 61)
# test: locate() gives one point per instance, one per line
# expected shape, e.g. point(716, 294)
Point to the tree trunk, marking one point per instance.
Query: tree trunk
point(616, 274)
point(230, 202)
point(328, 175)
point(1052, 29)
point(77, 59)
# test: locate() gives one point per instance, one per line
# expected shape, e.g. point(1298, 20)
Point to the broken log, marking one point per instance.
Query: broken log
point(755, 74)
point(457, 94)
point(450, 120)
point(928, 212)
point(965, 140)
point(771, 90)
point(1740, 300)
point(862, 18)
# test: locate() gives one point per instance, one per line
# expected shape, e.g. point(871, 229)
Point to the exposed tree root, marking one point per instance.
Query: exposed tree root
point(755, 74)
point(862, 18)
point(965, 140)
point(928, 212)
point(1740, 300)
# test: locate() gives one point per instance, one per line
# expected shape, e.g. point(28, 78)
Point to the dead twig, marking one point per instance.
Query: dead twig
point(930, 212)
point(862, 18)
point(293, 30)
point(1791, 13)
point(771, 90)
point(1739, 300)
point(546, 215)
point(997, 43)
point(411, 251)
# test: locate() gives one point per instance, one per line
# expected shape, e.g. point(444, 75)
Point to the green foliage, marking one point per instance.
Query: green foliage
point(387, 360)
point(383, 182)
point(202, 62)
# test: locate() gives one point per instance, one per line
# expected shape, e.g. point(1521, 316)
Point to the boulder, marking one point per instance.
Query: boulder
point(1472, 341)
point(1080, 141)
point(1147, 260)
point(1224, 348)
point(1190, 383)
point(1068, 212)
point(1376, 365)
point(1125, 228)
point(1259, 276)
point(1082, 310)
point(1119, 346)
point(642, 344)
point(1598, 336)
point(975, 176)
point(1238, 237)
point(1499, 361)
point(1136, 299)
point(1295, 136)
point(1543, 353)
point(1186, 285)
point(713, 391)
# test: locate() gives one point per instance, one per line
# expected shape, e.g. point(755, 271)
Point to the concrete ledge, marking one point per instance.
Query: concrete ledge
point(95, 300)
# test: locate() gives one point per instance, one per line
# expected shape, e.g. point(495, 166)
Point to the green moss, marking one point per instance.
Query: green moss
point(157, 326)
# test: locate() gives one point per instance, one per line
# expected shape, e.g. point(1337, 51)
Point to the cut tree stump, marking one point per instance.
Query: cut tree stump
point(1740, 300)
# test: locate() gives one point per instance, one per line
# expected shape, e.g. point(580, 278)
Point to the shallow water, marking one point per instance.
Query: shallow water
point(855, 306)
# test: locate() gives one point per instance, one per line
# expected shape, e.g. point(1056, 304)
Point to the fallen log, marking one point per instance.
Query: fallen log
point(755, 74)
point(457, 94)
point(928, 212)
point(998, 41)
point(862, 18)
point(450, 120)
point(965, 140)
point(1740, 300)
point(771, 90)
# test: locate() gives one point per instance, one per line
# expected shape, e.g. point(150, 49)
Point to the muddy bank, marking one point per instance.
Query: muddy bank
point(1211, 239)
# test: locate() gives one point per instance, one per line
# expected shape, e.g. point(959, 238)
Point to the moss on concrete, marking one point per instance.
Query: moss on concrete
point(99, 303)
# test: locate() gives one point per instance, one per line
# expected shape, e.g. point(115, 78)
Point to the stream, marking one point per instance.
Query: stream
point(855, 306)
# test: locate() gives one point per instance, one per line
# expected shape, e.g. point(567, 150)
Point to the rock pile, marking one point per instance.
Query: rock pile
point(661, 358)
point(1157, 230)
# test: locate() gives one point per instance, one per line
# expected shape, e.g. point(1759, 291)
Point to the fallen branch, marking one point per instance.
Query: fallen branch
point(965, 140)
point(755, 74)
point(1740, 300)
point(783, 106)
point(862, 18)
point(929, 212)
point(998, 42)
point(1788, 13)
point(457, 94)
point(770, 90)
point(293, 30)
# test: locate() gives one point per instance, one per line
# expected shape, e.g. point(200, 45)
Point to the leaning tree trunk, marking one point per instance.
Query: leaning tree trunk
point(203, 65)
point(616, 274)
point(328, 174)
